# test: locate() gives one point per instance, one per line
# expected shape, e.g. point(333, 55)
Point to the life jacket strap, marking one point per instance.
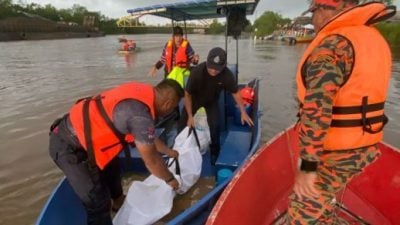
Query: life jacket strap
point(87, 130)
point(365, 122)
point(110, 124)
point(340, 110)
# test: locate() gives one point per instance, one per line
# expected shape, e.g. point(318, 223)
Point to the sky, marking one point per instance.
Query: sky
point(117, 8)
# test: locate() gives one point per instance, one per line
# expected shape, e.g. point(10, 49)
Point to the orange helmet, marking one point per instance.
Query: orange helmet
point(247, 94)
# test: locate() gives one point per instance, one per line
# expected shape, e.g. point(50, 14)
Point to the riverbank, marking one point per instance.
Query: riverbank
point(16, 36)
point(38, 28)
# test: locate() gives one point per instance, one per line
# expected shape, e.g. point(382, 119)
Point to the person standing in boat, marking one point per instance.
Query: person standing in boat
point(177, 53)
point(342, 82)
point(176, 57)
point(85, 143)
point(202, 90)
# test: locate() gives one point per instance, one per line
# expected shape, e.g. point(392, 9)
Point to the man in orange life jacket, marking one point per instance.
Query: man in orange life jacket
point(342, 82)
point(86, 141)
point(177, 52)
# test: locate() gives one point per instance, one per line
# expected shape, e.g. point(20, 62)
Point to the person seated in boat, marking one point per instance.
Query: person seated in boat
point(342, 83)
point(124, 46)
point(202, 90)
point(177, 52)
point(131, 45)
point(85, 143)
point(122, 39)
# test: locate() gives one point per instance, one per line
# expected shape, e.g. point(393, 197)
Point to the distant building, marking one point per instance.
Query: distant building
point(302, 20)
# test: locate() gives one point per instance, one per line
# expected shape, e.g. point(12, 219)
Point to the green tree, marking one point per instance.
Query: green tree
point(391, 32)
point(6, 9)
point(216, 28)
point(268, 23)
point(74, 14)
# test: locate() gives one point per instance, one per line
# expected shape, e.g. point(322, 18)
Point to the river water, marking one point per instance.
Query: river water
point(40, 80)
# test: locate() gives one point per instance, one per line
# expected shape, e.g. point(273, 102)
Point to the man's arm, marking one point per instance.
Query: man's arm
point(132, 116)
point(192, 58)
point(155, 164)
point(327, 68)
point(164, 149)
point(188, 107)
point(159, 63)
point(243, 114)
point(231, 86)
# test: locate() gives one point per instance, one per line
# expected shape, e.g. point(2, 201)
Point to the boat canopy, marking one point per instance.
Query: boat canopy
point(194, 9)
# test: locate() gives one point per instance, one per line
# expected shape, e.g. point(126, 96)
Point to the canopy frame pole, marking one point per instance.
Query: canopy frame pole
point(184, 23)
point(226, 36)
point(237, 59)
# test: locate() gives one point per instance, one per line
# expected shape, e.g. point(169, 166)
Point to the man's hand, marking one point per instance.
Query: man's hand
point(174, 184)
point(245, 118)
point(173, 153)
point(196, 59)
point(304, 185)
point(153, 71)
point(190, 121)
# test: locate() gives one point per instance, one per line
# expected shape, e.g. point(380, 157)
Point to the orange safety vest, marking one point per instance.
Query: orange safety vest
point(105, 139)
point(357, 114)
point(181, 59)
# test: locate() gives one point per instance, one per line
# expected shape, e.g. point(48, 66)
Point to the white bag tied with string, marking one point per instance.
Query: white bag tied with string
point(152, 199)
point(190, 160)
point(203, 130)
point(146, 202)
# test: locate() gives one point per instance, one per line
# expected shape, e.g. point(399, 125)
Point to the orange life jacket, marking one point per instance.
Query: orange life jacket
point(181, 59)
point(125, 46)
point(357, 114)
point(105, 139)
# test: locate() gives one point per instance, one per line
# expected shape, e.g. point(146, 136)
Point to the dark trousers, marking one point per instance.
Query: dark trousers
point(94, 187)
point(212, 112)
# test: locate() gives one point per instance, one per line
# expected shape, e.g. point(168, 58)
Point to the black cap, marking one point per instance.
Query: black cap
point(178, 31)
point(216, 59)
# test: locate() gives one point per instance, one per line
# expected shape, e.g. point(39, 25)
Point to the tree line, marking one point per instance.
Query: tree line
point(75, 14)
point(264, 25)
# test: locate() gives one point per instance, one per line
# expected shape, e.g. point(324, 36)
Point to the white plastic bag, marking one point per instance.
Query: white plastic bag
point(152, 199)
point(203, 130)
point(146, 202)
point(190, 160)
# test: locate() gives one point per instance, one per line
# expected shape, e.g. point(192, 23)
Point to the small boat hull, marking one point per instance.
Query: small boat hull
point(258, 193)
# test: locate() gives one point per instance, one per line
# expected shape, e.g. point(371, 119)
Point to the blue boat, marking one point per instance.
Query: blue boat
point(238, 142)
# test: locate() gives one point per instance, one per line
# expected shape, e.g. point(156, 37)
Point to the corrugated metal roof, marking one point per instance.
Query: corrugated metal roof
point(194, 9)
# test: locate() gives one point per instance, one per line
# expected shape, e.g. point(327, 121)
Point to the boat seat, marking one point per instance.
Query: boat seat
point(233, 152)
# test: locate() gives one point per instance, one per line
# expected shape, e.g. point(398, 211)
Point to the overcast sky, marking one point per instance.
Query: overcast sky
point(117, 8)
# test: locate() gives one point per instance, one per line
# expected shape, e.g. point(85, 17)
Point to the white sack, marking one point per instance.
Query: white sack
point(152, 199)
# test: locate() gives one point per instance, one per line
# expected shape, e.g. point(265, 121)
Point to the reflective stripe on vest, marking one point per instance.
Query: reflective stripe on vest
point(107, 142)
point(180, 75)
point(181, 59)
point(357, 117)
